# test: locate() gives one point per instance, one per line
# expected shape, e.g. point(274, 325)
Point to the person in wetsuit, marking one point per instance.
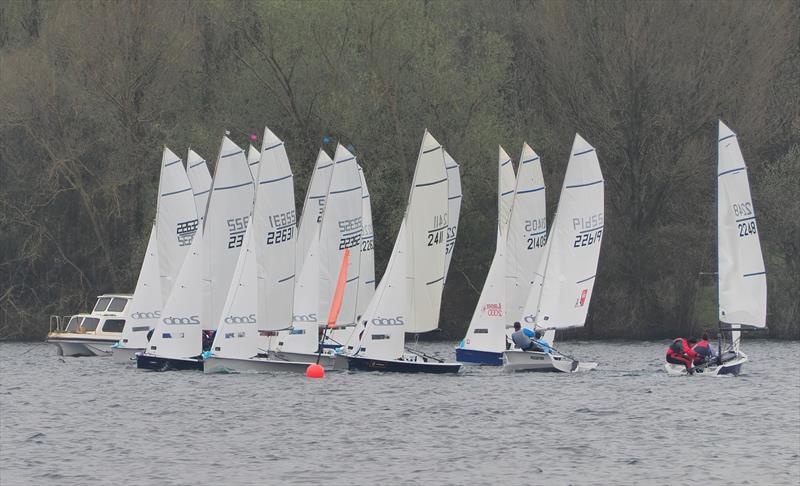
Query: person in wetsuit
point(680, 352)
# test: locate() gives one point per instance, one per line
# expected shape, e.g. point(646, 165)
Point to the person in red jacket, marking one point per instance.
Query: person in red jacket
point(705, 352)
point(681, 352)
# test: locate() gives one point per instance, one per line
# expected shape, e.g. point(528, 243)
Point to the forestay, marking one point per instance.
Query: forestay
point(200, 180)
point(176, 219)
point(742, 276)
point(145, 307)
point(527, 233)
point(229, 210)
point(573, 246)
point(408, 297)
point(179, 334)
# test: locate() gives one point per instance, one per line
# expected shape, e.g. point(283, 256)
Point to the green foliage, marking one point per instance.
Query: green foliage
point(90, 91)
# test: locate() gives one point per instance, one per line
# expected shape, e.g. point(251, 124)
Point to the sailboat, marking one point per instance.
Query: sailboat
point(742, 275)
point(259, 300)
point(408, 298)
point(339, 228)
point(196, 305)
point(485, 340)
point(176, 226)
point(560, 296)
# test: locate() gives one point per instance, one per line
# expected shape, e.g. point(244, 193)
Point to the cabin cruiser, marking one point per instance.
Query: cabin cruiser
point(91, 334)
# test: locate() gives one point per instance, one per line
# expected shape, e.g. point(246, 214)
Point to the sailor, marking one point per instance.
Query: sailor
point(704, 351)
point(528, 340)
point(680, 352)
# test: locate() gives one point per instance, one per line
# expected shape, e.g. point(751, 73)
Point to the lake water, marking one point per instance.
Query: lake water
point(87, 421)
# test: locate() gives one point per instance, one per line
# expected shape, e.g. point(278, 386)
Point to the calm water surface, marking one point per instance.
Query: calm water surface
point(87, 421)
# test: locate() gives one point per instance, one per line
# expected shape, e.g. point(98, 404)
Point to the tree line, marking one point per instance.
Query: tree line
point(90, 91)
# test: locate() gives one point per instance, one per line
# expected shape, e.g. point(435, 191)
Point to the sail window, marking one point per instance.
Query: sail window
point(89, 324)
point(114, 325)
point(102, 304)
point(117, 304)
point(73, 325)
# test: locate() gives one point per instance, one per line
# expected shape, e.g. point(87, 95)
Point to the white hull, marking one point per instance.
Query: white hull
point(326, 360)
point(252, 365)
point(125, 355)
point(518, 360)
point(73, 344)
point(732, 368)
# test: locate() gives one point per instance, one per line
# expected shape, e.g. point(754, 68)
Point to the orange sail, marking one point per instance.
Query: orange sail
point(338, 296)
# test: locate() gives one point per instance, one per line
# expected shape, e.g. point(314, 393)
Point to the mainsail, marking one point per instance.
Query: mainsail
point(487, 327)
point(313, 206)
point(527, 233)
point(742, 276)
point(200, 180)
point(253, 159)
point(229, 211)
point(454, 207)
point(176, 219)
point(573, 246)
point(408, 297)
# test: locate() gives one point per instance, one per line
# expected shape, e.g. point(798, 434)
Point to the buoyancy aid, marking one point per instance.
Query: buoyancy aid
point(702, 348)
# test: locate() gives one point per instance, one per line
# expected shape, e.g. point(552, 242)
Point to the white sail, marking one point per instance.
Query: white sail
point(506, 179)
point(274, 221)
point(527, 233)
point(366, 268)
point(313, 206)
point(176, 219)
point(487, 328)
point(454, 207)
point(237, 335)
point(742, 275)
point(145, 307)
point(573, 244)
point(229, 211)
point(200, 180)
point(253, 159)
point(179, 333)
point(409, 295)
point(340, 228)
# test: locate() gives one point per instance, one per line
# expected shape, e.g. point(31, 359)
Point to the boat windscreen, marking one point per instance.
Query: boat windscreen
point(113, 325)
point(117, 304)
point(101, 304)
point(73, 324)
point(89, 324)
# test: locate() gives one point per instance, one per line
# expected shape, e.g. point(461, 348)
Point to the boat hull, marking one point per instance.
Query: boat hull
point(518, 360)
point(125, 355)
point(81, 345)
point(397, 366)
point(216, 364)
point(732, 367)
point(473, 356)
point(157, 363)
point(326, 360)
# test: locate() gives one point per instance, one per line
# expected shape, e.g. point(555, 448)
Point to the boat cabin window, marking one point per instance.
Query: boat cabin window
point(101, 304)
point(114, 325)
point(117, 304)
point(89, 324)
point(73, 324)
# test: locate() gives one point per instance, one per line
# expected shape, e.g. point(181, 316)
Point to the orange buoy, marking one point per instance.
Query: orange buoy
point(315, 371)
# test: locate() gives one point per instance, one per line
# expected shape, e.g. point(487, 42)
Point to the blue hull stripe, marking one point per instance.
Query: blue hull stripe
point(481, 357)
